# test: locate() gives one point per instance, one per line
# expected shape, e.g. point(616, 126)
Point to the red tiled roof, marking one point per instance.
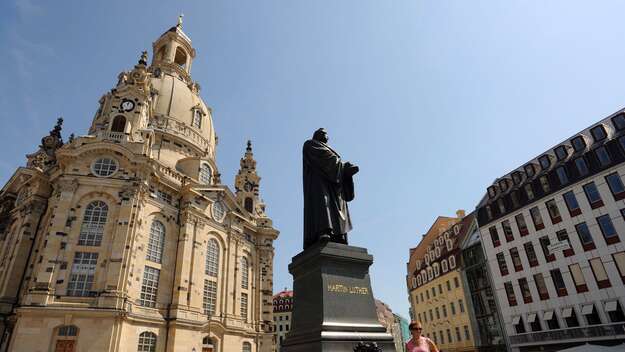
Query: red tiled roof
point(283, 294)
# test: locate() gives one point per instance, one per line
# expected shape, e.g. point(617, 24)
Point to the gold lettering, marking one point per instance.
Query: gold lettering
point(353, 290)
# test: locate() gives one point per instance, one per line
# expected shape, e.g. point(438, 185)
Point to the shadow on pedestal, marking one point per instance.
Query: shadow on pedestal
point(333, 307)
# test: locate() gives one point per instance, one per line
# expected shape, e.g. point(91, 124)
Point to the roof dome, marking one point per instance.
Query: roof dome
point(178, 105)
point(180, 101)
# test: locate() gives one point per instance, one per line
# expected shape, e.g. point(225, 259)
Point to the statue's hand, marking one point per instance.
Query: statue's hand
point(351, 169)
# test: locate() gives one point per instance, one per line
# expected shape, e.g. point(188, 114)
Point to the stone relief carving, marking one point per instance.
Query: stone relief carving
point(65, 185)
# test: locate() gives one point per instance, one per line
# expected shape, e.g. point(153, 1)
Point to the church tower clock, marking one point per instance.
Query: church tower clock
point(126, 239)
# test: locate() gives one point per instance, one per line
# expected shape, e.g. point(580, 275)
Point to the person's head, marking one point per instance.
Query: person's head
point(321, 135)
point(415, 329)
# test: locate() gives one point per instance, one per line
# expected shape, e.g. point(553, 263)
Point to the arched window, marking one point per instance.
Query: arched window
point(93, 222)
point(160, 54)
point(208, 345)
point(147, 342)
point(197, 118)
point(156, 242)
point(244, 273)
point(180, 58)
point(452, 262)
point(212, 258)
point(247, 347)
point(249, 204)
point(119, 124)
point(205, 174)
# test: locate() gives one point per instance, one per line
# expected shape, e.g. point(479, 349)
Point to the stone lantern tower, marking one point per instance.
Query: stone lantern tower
point(125, 239)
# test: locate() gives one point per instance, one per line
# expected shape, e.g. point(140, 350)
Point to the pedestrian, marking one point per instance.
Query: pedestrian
point(419, 343)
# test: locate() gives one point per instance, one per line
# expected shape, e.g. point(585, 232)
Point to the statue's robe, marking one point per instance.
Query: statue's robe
point(326, 192)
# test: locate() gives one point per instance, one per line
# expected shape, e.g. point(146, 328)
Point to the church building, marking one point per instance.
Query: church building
point(126, 239)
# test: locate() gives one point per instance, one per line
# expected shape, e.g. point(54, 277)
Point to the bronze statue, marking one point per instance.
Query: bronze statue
point(328, 186)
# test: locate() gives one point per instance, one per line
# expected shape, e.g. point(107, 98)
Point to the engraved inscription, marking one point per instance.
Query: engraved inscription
point(354, 290)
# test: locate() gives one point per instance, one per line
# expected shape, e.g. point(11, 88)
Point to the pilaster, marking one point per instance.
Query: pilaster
point(52, 234)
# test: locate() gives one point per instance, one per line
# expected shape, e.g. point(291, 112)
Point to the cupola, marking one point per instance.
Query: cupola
point(173, 51)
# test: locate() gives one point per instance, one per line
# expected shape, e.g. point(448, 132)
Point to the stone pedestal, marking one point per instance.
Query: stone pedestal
point(333, 307)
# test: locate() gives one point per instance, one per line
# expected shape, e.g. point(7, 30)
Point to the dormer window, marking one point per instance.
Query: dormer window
point(544, 161)
point(516, 177)
point(598, 133)
point(619, 121)
point(197, 118)
point(561, 152)
point(492, 191)
point(578, 143)
point(503, 184)
point(160, 54)
point(530, 171)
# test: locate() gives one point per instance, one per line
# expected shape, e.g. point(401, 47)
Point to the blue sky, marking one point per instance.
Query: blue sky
point(433, 100)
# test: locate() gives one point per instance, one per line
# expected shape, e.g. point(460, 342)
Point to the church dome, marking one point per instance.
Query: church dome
point(180, 101)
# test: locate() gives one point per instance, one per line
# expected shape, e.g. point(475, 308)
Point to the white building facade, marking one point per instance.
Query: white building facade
point(554, 237)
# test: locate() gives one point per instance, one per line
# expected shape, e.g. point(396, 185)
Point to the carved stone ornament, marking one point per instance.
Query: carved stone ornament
point(65, 185)
point(46, 155)
point(190, 218)
point(38, 160)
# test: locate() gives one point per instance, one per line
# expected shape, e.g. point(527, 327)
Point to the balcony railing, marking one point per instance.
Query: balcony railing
point(180, 129)
point(115, 136)
point(606, 330)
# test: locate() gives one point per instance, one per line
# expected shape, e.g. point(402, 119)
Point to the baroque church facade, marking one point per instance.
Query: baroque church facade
point(125, 239)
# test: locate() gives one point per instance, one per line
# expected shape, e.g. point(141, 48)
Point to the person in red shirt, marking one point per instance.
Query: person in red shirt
point(419, 343)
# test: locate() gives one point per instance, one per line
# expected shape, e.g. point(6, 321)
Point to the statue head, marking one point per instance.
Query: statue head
point(321, 135)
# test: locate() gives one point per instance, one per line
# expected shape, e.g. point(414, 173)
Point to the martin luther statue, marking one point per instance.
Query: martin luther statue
point(328, 186)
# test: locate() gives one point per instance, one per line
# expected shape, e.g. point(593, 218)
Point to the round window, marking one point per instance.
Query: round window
point(219, 211)
point(104, 167)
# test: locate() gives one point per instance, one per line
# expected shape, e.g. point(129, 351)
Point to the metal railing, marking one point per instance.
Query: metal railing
point(596, 331)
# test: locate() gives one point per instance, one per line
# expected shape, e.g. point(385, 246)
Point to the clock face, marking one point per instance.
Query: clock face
point(128, 105)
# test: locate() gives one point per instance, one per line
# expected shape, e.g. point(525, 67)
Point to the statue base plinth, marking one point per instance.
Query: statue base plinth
point(333, 308)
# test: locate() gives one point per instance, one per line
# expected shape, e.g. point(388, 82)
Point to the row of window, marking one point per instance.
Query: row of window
point(83, 273)
point(433, 271)
point(146, 342)
point(452, 309)
point(550, 321)
point(594, 199)
point(577, 275)
point(583, 233)
point(561, 152)
point(284, 328)
point(433, 290)
point(440, 339)
point(563, 174)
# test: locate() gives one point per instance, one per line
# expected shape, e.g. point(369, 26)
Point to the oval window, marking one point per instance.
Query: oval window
point(104, 167)
point(219, 211)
